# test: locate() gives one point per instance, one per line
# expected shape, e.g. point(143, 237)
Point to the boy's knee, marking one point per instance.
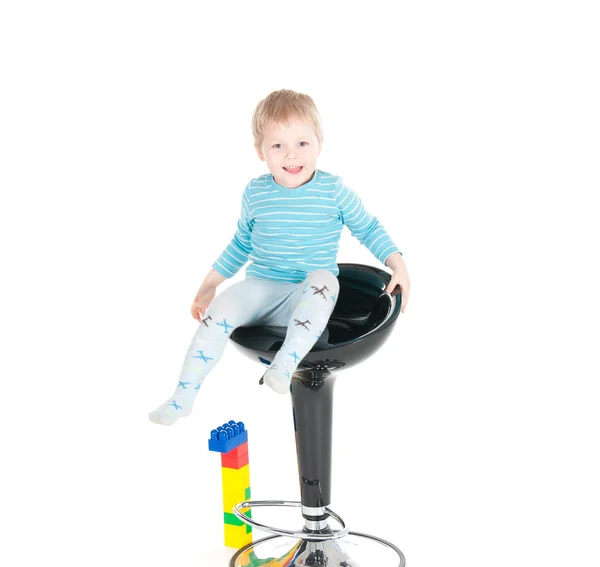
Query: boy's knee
point(325, 277)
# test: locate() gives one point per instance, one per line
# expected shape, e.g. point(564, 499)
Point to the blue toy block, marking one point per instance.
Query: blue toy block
point(227, 437)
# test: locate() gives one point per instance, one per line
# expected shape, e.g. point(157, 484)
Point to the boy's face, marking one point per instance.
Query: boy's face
point(290, 151)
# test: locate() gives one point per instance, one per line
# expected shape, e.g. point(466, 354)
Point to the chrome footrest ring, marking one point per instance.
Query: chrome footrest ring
point(255, 552)
point(335, 534)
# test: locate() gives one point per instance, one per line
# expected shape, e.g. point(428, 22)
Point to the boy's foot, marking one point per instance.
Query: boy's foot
point(278, 380)
point(172, 410)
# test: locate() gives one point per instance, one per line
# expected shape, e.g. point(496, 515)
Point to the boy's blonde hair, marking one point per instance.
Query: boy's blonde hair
point(280, 107)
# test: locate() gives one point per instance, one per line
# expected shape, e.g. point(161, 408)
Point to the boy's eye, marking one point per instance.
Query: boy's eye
point(303, 143)
point(276, 146)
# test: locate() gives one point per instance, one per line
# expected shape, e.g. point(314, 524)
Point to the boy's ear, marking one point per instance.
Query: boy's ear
point(320, 148)
point(260, 154)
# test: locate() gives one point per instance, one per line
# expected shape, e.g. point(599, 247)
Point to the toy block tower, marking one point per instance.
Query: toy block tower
point(231, 440)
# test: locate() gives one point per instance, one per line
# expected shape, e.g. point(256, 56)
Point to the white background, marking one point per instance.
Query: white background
point(470, 129)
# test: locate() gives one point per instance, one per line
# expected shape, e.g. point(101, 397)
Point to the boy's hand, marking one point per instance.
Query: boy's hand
point(203, 299)
point(399, 277)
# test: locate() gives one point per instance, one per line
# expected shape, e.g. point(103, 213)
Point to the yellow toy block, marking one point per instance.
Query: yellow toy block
point(231, 497)
point(236, 483)
point(235, 489)
point(236, 477)
point(236, 536)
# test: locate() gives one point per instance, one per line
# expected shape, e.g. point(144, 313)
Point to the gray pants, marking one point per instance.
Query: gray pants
point(304, 308)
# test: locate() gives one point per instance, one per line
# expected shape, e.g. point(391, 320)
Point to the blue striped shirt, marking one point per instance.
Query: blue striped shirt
point(287, 233)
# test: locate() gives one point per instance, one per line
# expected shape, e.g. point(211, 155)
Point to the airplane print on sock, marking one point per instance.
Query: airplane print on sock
point(226, 326)
point(202, 356)
point(303, 324)
point(320, 291)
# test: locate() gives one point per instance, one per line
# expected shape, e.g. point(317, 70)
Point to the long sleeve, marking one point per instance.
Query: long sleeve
point(362, 225)
point(236, 254)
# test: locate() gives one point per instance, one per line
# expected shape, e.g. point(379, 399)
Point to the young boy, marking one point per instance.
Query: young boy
point(289, 229)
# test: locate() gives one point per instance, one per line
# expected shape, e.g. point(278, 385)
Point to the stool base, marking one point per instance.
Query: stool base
point(354, 550)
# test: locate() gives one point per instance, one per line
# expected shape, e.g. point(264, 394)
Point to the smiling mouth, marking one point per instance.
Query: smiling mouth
point(294, 169)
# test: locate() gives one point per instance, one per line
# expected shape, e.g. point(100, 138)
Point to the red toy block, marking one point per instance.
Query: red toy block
point(234, 462)
point(239, 451)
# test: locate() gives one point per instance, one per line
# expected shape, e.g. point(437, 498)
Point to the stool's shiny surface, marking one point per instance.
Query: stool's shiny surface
point(304, 534)
point(360, 323)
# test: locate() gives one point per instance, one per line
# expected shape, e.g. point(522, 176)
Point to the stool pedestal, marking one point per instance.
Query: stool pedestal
point(312, 403)
point(317, 544)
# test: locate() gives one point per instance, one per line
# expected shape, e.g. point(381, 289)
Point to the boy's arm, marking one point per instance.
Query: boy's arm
point(365, 227)
point(236, 254)
point(213, 279)
point(394, 261)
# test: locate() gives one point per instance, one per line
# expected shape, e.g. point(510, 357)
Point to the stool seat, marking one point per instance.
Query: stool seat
point(360, 323)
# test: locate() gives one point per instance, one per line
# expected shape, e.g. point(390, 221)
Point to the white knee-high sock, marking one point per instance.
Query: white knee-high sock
point(307, 323)
point(204, 352)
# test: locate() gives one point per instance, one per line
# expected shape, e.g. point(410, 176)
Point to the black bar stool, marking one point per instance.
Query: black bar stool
point(362, 320)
